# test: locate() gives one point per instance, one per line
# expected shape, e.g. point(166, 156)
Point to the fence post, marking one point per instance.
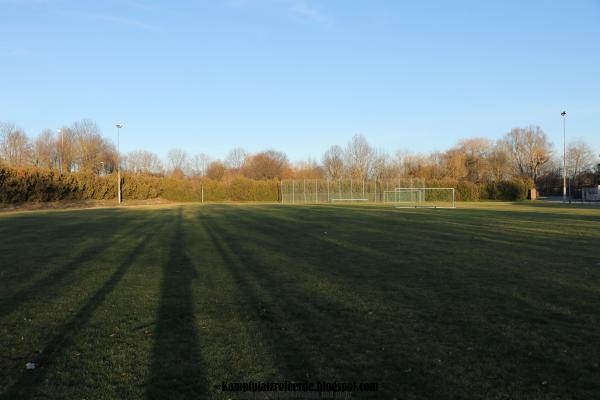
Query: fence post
point(304, 190)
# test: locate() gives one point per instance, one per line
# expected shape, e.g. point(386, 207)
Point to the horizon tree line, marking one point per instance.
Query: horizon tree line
point(522, 153)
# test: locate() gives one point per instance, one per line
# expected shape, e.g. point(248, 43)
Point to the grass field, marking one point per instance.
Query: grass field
point(489, 301)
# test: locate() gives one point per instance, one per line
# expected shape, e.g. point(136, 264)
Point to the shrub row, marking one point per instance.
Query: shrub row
point(509, 190)
point(48, 185)
point(506, 190)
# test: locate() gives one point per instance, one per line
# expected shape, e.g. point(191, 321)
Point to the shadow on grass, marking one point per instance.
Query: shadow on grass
point(29, 380)
point(289, 356)
point(458, 310)
point(310, 336)
point(41, 289)
point(177, 369)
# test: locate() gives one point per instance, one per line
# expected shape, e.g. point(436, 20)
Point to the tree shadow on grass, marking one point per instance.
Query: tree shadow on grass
point(42, 287)
point(177, 370)
point(310, 337)
point(29, 380)
point(466, 317)
point(291, 358)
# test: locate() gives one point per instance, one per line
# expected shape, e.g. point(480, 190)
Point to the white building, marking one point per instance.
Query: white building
point(590, 193)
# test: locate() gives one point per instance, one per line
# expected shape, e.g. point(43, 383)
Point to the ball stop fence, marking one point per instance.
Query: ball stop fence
point(400, 193)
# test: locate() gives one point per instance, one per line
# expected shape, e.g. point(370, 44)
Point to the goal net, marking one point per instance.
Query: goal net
point(425, 197)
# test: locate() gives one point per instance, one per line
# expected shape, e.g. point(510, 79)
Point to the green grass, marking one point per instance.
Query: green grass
point(489, 301)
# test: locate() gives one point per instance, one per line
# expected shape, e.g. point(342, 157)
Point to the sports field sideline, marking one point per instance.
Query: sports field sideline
point(494, 300)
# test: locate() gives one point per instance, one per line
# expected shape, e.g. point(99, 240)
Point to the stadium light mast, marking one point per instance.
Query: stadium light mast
point(62, 148)
point(118, 126)
point(564, 117)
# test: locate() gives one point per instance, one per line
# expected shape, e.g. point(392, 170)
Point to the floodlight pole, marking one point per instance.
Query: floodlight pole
point(118, 126)
point(564, 117)
point(62, 149)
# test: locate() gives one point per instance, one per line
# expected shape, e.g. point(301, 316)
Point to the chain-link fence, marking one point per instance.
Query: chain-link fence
point(313, 191)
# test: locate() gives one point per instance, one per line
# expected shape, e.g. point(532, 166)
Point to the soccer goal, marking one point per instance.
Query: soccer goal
point(425, 197)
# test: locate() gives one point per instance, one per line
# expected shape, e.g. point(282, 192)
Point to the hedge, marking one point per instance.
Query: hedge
point(47, 185)
point(35, 184)
point(507, 190)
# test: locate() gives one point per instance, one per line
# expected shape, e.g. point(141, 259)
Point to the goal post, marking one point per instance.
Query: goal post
point(424, 197)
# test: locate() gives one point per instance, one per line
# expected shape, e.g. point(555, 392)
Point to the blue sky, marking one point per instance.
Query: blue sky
point(301, 75)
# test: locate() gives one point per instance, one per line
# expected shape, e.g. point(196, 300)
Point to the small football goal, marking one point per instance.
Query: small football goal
point(421, 197)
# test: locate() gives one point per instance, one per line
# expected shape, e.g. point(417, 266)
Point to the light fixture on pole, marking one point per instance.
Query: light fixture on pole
point(118, 126)
point(564, 117)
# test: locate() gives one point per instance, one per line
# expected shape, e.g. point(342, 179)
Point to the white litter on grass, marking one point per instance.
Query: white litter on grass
point(30, 365)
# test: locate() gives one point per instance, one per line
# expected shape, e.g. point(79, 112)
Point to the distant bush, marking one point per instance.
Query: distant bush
point(463, 190)
point(139, 186)
point(510, 190)
point(467, 191)
point(177, 189)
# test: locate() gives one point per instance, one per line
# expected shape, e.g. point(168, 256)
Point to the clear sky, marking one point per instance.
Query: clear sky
point(301, 75)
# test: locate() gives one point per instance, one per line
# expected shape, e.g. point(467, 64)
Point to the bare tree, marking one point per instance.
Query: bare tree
point(15, 148)
point(498, 162)
point(358, 157)
point(178, 161)
point(236, 158)
point(399, 161)
point(92, 151)
point(308, 170)
point(144, 162)
point(435, 165)
point(45, 154)
point(476, 151)
point(199, 164)
point(455, 161)
point(66, 150)
point(333, 162)
point(382, 166)
point(529, 150)
point(410, 164)
point(580, 158)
